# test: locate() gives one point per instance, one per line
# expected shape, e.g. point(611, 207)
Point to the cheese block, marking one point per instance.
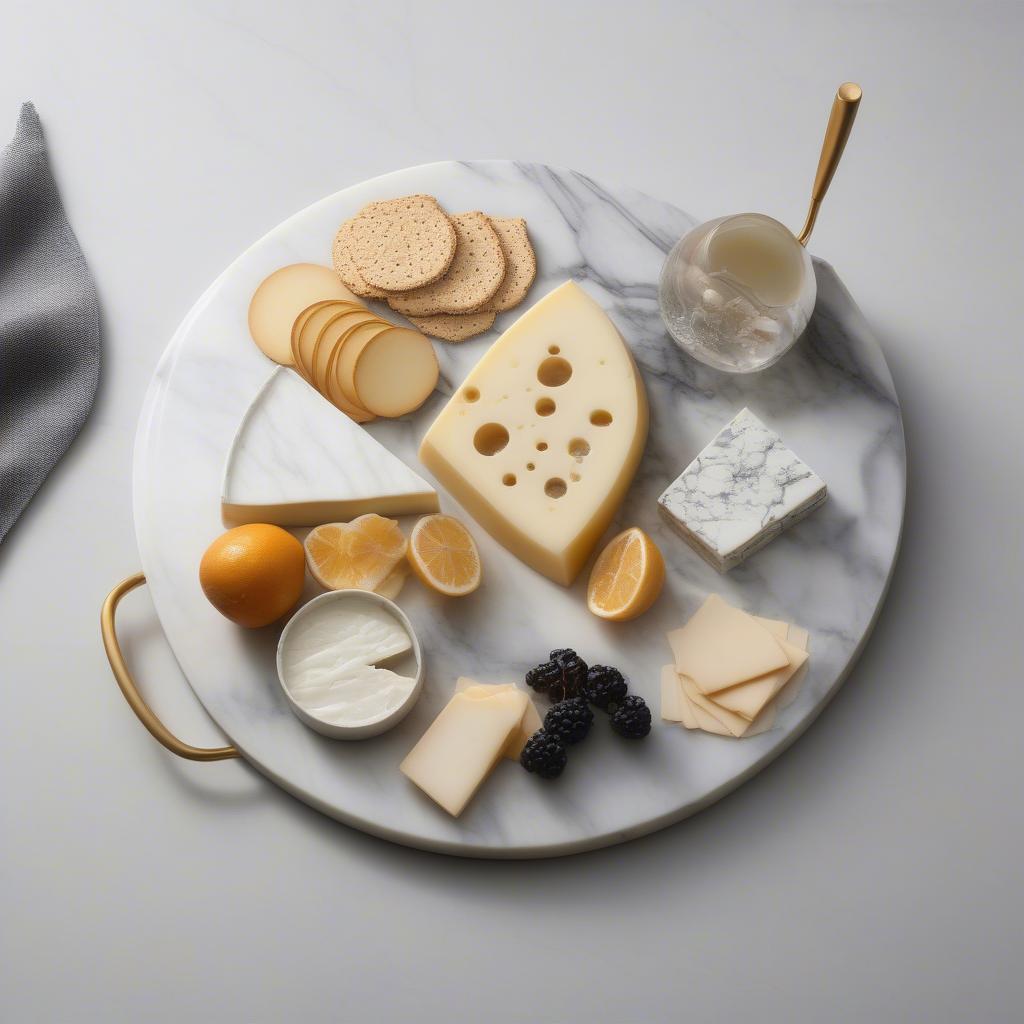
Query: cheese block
point(722, 646)
point(297, 461)
point(542, 439)
point(749, 698)
point(530, 723)
point(740, 492)
point(280, 298)
point(463, 744)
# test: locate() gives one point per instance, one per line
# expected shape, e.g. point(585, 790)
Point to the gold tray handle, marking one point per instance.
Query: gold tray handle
point(131, 692)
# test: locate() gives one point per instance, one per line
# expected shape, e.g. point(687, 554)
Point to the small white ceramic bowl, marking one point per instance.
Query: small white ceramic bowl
point(365, 729)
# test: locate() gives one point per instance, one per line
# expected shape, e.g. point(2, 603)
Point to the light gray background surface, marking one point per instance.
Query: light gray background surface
point(874, 872)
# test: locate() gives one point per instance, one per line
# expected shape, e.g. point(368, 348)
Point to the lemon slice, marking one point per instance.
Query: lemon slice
point(444, 556)
point(354, 556)
point(627, 577)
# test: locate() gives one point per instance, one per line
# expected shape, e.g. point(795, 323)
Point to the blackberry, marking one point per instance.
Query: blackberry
point(569, 720)
point(574, 671)
point(605, 687)
point(561, 677)
point(632, 718)
point(545, 755)
point(544, 677)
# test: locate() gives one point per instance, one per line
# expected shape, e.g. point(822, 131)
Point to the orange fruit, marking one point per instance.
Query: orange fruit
point(444, 556)
point(627, 577)
point(355, 556)
point(253, 574)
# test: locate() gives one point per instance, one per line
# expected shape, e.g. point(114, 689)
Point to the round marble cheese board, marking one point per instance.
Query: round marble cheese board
point(831, 398)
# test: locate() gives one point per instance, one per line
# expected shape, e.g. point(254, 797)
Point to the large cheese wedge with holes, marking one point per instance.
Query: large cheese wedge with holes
point(298, 461)
point(542, 439)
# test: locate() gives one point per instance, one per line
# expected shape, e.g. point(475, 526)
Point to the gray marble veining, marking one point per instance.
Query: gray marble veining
point(831, 398)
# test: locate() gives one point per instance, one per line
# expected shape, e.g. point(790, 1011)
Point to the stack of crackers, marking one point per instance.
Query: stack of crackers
point(450, 274)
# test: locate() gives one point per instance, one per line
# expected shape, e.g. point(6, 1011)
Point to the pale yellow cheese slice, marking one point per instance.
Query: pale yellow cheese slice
point(281, 297)
point(730, 724)
point(702, 719)
point(777, 628)
point(671, 695)
point(722, 646)
point(530, 723)
point(749, 698)
point(736, 725)
point(392, 373)
point(463, 744)
point(799, 637)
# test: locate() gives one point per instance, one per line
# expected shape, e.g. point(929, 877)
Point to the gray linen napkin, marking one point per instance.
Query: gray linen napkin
point(49, 323)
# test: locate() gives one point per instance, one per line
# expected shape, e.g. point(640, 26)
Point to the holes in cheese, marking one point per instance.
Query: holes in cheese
point(391, 372)
point(471, 394)
point(509, 479)
point(579, 448)
point(279, 300)
point(490, 439)
point(554, 371)
point(551, 528)
point(601, 418)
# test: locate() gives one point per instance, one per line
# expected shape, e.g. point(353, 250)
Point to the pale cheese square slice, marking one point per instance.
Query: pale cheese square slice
point(736, 725)
point(799, 637)
point(463, 744)
point(777, 628)
point(671, 695)
point(530, 723)
point(731, 724)
point(702, 719)
point(749, 698)
point(722, 646)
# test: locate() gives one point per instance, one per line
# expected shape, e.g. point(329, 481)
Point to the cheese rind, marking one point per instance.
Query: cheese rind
point(740, 492)
point(463, 744)
point(558, 392)
point(722, 646)
point(298, 461)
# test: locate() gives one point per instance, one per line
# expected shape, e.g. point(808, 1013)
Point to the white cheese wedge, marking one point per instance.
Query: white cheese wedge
point(722, 646)
point(749, 698)
point(542, 439)
point(463, 744)
point(530, 723)
point(741, 491)
point(298, 461)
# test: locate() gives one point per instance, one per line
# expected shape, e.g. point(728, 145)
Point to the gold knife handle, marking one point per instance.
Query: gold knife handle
point(840, 124)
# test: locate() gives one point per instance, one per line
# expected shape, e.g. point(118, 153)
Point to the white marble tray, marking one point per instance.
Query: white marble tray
point(831, 398)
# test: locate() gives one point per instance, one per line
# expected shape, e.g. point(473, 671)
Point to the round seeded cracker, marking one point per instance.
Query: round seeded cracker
point(472, 280)
point(401, 244)
point(520, 263)
point(454, 326)
point(341, 254)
